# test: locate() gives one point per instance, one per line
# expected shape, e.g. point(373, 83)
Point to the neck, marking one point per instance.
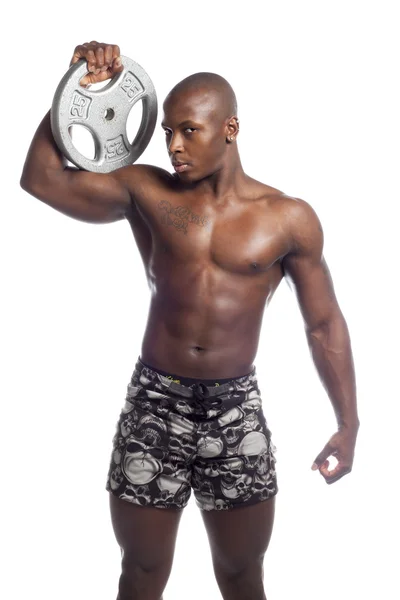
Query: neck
point(227, 181)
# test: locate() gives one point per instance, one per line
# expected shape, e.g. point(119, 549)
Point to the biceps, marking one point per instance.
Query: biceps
point(97, 197)
point(88, 197)
point(312, 284)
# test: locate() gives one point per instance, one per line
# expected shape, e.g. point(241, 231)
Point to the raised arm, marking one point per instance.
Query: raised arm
point(86, 196)
point(82, 195)
point(327, 334)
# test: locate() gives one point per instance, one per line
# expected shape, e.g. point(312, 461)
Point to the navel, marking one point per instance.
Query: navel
point(198, 349)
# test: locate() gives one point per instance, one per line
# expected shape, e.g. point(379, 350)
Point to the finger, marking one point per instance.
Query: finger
point(108, 55)
point(337, 473)
point(336, 477)
point(99, 57)
point(324, 470)
point(84, 82)
point(117, 66)
point(91, 61)
point(323, 455)
point(79, 53)
point(333, 479)
point(115, 52)
point(95, 78)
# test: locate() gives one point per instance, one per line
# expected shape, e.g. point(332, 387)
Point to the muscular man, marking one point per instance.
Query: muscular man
point(215, 244)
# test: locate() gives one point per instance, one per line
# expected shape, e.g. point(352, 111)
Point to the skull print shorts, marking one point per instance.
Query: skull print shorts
point(171, 438)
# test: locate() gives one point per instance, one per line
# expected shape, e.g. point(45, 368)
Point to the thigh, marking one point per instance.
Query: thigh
point(239, 537)
point(151, 446)
point(235, 462)
point(146, 535)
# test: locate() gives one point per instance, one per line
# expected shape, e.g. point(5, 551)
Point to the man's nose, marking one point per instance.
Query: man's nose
point(175, 143)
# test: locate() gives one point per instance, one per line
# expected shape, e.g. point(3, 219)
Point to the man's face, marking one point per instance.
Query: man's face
point(195, 134)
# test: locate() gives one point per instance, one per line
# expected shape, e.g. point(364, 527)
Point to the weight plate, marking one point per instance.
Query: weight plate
point(104, 113)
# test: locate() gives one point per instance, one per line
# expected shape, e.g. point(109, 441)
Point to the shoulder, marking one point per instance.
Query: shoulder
point(144, 182)
point(302, 225)
point(137, 173)
point(295, 217)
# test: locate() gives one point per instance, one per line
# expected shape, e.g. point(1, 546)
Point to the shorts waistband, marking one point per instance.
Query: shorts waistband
point(187, 390)
point(189, 381)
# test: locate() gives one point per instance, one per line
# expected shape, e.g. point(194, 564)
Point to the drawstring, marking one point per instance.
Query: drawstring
point(202, 397)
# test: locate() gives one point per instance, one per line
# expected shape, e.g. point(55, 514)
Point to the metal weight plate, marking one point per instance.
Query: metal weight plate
point(104, 113)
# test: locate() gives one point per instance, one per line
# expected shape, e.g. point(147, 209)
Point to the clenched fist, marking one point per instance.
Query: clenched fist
point(103, 61)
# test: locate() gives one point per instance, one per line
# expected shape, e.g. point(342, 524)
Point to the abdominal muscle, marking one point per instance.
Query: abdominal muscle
point(205, 331)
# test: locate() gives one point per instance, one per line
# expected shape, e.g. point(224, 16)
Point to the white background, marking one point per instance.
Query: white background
point(316, 84)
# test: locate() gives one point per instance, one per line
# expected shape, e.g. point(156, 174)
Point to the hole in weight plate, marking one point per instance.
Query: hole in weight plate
point(95, 87)
point(83, 140)
point(134, 120)
point(109, 114)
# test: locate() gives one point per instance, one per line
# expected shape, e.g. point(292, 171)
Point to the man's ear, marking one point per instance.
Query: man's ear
point(232, 128)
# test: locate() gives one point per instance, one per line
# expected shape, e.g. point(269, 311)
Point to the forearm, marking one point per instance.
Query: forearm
point(330, 349)
point(44, 158)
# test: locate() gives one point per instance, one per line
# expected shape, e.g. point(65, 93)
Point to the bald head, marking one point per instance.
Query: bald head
point(201, 125)
point(210, 87)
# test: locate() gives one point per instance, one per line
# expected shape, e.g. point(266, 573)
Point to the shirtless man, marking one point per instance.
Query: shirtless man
point(215, 244)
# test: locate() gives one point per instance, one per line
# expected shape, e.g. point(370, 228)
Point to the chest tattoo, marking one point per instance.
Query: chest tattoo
point(180, 216)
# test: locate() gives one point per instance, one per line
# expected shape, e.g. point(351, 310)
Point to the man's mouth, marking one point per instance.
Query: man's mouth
point(179, 167)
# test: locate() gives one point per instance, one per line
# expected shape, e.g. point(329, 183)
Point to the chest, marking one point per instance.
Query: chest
point(245, 240)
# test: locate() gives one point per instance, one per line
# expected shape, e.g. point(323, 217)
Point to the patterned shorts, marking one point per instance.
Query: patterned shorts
point(171, 437)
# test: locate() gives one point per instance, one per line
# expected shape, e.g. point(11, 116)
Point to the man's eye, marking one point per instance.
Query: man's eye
point(166, 131)
point(190, 129)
